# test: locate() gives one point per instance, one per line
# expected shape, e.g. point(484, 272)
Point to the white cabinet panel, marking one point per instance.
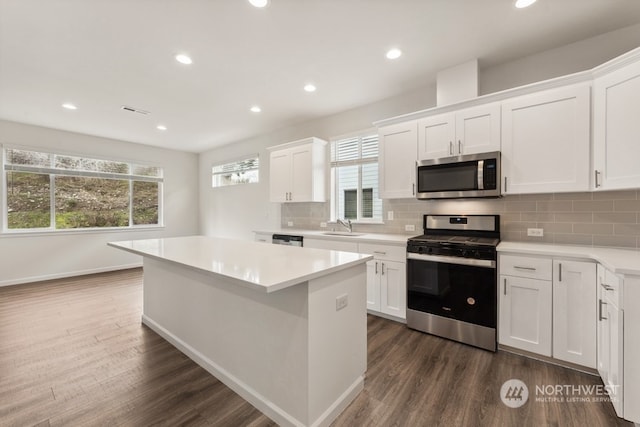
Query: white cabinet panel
point(525, 314)
point(574, 312)
point(436, 136)
point(478, 129)
point(610, 338)
point(468, 131)
point(545, 141)
point(298, 171)
point(373, 285)
point(393, 288)
point(616, 129)
point(397, 160)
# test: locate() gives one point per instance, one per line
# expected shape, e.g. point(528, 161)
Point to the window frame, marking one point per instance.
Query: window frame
point(235, 161)
point(360, 162)
point(52, 171)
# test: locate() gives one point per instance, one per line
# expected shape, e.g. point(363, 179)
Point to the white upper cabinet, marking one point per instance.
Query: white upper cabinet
point(545, 141)
point(468, 131)
point(616, 127)
point(298, 171)
point(435, 136)
point(397, 160)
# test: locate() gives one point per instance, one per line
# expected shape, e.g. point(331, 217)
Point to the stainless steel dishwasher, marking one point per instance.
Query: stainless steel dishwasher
point(286, 239)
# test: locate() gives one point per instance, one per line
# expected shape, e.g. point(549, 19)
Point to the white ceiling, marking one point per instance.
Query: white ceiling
point(102, 54)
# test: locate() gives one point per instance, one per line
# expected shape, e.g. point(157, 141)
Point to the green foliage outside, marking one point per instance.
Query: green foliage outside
point(80, 202)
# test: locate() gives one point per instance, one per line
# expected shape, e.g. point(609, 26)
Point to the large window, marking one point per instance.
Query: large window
point(354, 178)
point(48, 191)
point(245, 171)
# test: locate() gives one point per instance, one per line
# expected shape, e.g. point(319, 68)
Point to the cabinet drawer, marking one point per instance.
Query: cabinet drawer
point(527, 267)
point(384, 252)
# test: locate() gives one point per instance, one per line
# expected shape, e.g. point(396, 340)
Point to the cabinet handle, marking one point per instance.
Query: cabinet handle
point(376, 267)
point(505, 184)
point(459, 147)
point(606, 287)
point(379, 252)
point(524, 268)
point(290, 196)
point(559, 272)
point(596, 178)
point(600, 304)
point(414, 189)
point(451, 148)
point(382, 268)
point(504, 286)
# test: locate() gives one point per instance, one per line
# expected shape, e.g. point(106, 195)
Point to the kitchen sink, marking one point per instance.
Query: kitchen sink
point(342, 233)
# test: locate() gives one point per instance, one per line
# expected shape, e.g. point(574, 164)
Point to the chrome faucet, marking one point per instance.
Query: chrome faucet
point(346, 224)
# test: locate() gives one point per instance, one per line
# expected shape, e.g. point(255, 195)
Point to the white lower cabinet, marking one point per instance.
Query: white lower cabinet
point(525, 314)
point(574, 312)
point(610, 336)
point(386, 279)
point(548, 307)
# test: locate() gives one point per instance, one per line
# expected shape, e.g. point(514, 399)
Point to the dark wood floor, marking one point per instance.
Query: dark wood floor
point(74, 353)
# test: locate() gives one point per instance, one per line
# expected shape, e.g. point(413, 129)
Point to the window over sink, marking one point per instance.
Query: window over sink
point(354, 178)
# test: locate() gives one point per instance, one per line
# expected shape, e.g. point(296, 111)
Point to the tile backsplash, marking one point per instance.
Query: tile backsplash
point(609, 218)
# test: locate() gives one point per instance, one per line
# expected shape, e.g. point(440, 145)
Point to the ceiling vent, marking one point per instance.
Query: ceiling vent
point(135, 110)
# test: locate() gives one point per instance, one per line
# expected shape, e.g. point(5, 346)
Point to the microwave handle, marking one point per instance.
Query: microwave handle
point(480, 174)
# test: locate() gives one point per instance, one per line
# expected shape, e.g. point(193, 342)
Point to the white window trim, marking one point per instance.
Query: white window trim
point(333, 203)
point(4, 218)
point(235, 160)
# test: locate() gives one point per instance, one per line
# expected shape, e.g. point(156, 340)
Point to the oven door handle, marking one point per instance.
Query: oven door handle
point(453, 260)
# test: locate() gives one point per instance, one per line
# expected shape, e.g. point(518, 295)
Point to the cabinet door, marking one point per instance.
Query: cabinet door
point(397, 160)
point(616, 128)
point(436, 137)
point(301, 174)
point(373, 285)
point(614, 379)
point(545, 141)
point(525, 314)
point(279, 175)
point(478, 129)
point(574, 312)
point(393, 288)
point(602, 330)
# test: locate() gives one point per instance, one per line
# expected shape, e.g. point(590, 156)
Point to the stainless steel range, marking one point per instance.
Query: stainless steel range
point(452, 278)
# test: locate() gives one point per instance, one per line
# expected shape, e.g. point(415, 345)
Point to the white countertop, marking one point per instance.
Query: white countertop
point(385, 239)
point(262, 267)
point(620, 261)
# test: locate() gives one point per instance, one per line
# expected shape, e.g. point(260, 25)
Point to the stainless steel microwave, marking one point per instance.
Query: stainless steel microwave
point(472, 175)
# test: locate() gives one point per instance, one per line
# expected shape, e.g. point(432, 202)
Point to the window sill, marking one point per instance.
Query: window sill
point(38, 233)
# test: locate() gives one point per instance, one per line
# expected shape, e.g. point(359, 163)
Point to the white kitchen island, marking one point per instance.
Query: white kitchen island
point(263, 319)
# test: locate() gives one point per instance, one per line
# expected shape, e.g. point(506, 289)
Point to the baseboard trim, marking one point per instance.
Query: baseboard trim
point(549, 360)
point(44, 277)
point(271, 410)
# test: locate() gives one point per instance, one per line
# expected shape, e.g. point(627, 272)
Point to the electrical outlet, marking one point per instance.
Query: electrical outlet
point(323, 225)
point(409, 227)
point(536, 232)
point(290, 223)
point(390, 215)
point(342, 301)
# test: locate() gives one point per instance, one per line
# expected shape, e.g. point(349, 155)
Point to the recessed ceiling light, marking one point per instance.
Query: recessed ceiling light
point(394, 53)
point(259, 3)
point(310, 87)
point(161, 127)
point(69, 106)
point(521, 4)
point(184, 59)
point(256, 109)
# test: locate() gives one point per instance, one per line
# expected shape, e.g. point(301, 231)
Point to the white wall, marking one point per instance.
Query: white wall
point(25, 258)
